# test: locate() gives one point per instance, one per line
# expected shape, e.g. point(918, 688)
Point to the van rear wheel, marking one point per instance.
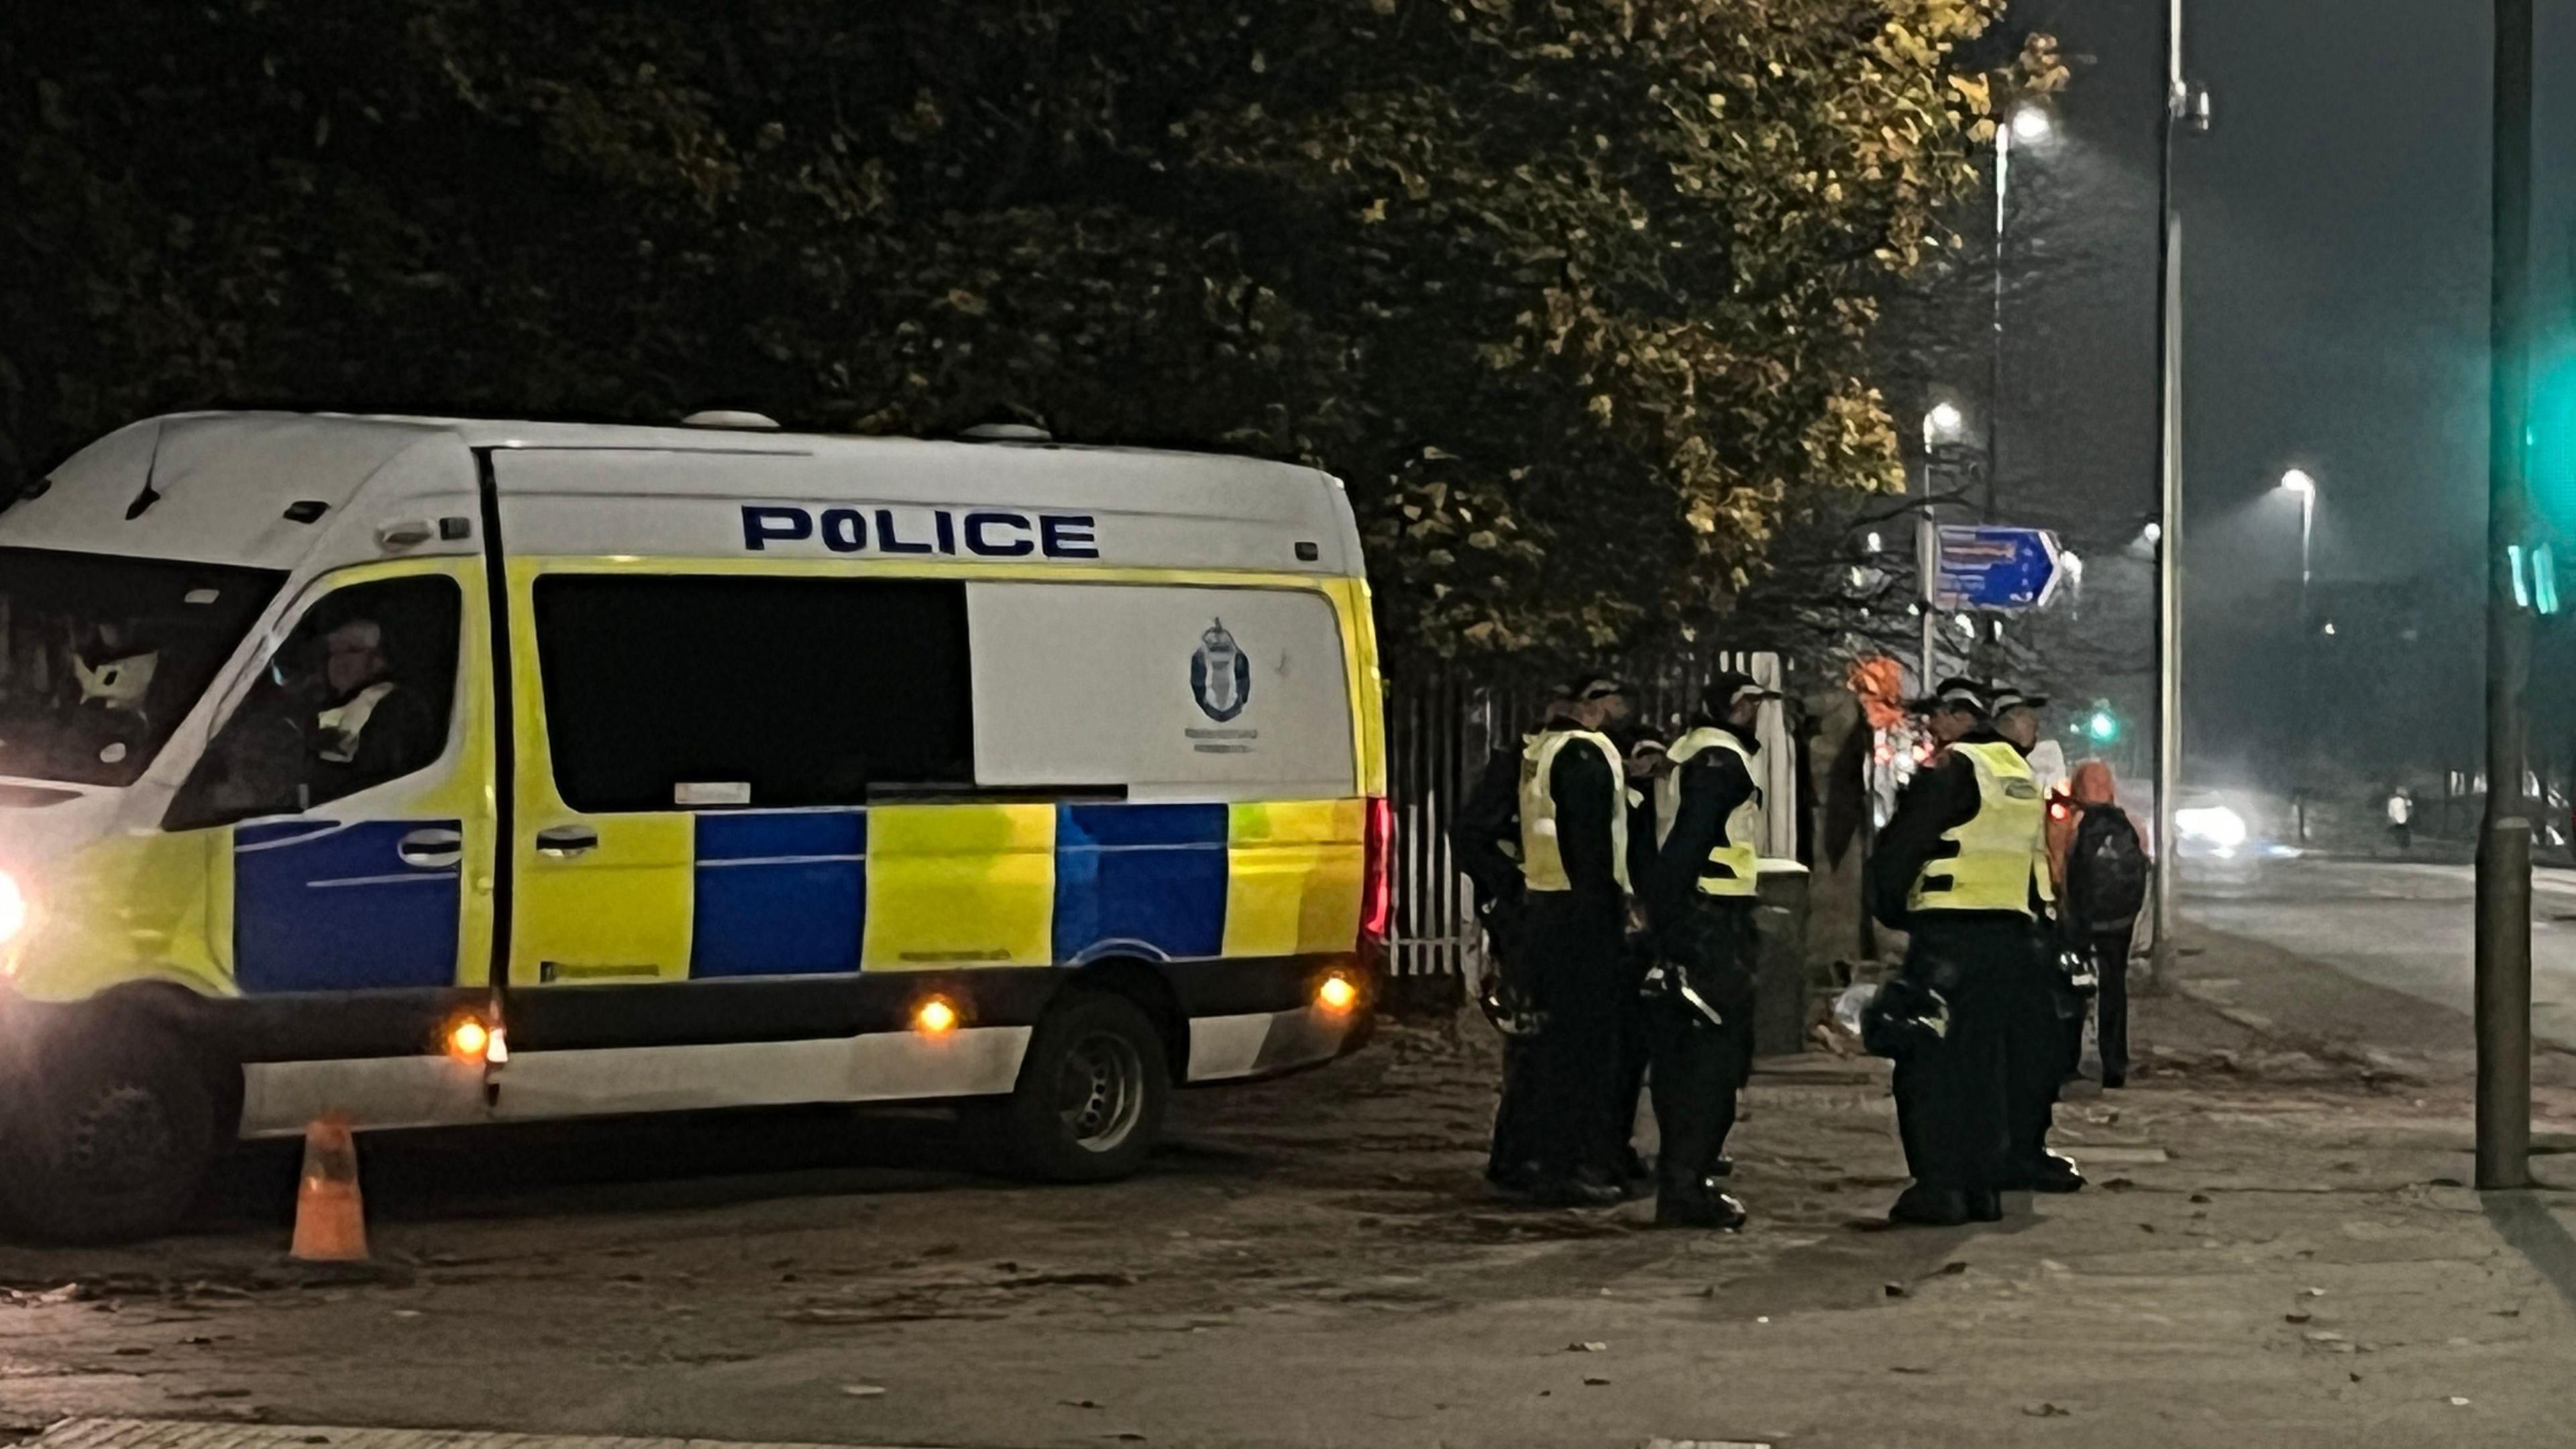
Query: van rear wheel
point(1092, 1092)
point(109, 1139)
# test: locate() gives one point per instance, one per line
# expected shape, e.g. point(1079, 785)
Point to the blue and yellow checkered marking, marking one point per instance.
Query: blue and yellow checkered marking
point(779, 894)
point(1140, 880)
point(324, 906)
point(917, 887)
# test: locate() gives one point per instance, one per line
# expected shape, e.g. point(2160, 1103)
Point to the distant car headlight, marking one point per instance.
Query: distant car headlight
point(2215, 825)
point(13, 907)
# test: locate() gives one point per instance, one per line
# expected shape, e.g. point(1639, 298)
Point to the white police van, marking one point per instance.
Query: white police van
point(425, 771)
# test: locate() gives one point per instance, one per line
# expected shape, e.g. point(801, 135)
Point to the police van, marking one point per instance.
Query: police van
point(420, 771)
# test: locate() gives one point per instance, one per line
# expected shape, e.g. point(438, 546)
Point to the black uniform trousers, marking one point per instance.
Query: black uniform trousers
point(1953, 1103)
point(1636, 1046)
point(2109, 951)
point(1514, 1148)
point(2035, 1064)
point(1576, 944)
point(1700, 1065)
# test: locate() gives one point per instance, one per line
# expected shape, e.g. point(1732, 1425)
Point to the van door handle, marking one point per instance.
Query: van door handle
point(563, 842)
point(431, 849)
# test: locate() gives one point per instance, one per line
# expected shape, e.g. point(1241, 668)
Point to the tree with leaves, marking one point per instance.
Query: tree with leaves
point(1577, 295)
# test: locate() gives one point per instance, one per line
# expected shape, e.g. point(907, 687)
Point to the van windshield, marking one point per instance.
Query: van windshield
point(101, 656)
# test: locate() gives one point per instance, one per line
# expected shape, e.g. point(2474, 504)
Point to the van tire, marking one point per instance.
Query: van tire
point(1091, 1096)
point(109, 1139)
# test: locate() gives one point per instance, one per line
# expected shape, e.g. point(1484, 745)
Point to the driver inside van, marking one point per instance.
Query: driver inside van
point(371, 728)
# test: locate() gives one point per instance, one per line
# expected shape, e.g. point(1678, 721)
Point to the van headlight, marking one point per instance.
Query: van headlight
point(13, 907)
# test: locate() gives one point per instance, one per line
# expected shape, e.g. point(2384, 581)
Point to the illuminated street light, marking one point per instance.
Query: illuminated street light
point(2032, 124)
point(2298, 483)
point(1943, 425)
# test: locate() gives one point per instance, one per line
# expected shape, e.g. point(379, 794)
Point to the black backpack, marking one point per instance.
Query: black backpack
point(2107, 870)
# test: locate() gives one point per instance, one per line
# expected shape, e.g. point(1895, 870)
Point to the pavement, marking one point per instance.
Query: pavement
point(2277, 1250)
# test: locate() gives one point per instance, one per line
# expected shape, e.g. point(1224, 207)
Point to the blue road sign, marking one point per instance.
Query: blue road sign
point(1984, 566)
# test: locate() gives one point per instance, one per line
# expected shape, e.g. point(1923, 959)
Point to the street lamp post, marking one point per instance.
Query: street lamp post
point(2301, 485)
point(1943, 427)
point(2029, 124)
point(2297, 481)
point(2186, 108)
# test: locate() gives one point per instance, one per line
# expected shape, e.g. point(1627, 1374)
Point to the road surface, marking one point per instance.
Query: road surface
point(2401, 925)
point(2277, 1254)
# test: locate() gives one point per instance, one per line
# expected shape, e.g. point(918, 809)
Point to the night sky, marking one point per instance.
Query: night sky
point(2336, 320)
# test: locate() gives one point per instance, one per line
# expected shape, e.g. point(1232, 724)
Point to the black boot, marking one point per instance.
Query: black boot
point(1985, 1205)
point(1724, 1166)
point(1580, 1190)
point(2054, 1173)
point(1929, 1207)
point(1698, 1205)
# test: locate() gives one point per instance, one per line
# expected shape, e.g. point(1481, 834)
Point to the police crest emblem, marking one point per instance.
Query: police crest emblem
point(1220, 674)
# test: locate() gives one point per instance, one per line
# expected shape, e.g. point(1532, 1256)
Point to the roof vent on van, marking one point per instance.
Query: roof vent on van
point(731, 418)
point(1006, 433)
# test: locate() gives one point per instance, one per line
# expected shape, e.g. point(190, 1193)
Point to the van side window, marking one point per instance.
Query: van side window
point(359, 695)
point(665, 692)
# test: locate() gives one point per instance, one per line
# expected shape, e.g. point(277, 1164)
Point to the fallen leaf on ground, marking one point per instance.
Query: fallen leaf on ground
point(862, 1391)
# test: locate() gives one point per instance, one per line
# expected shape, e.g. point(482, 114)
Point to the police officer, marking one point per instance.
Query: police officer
point(2035, 1063)
point(1953, 710)
point(1956, 870)
point(1574, 827)
point(1487, 837)
point(1702, 900)
point(1645, 764)
point(371, 729)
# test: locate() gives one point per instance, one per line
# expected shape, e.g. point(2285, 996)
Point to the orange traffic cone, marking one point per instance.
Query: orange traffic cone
point(330, 1221)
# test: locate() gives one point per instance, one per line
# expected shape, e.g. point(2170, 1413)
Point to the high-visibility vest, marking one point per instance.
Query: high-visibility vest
point(1734, 864)
point(2001, 852)
point(1542, 868)
point(341, 727)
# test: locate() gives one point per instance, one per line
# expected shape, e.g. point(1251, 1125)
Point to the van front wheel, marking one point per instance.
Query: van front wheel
point(1091, 1094)
point(109, 1138)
